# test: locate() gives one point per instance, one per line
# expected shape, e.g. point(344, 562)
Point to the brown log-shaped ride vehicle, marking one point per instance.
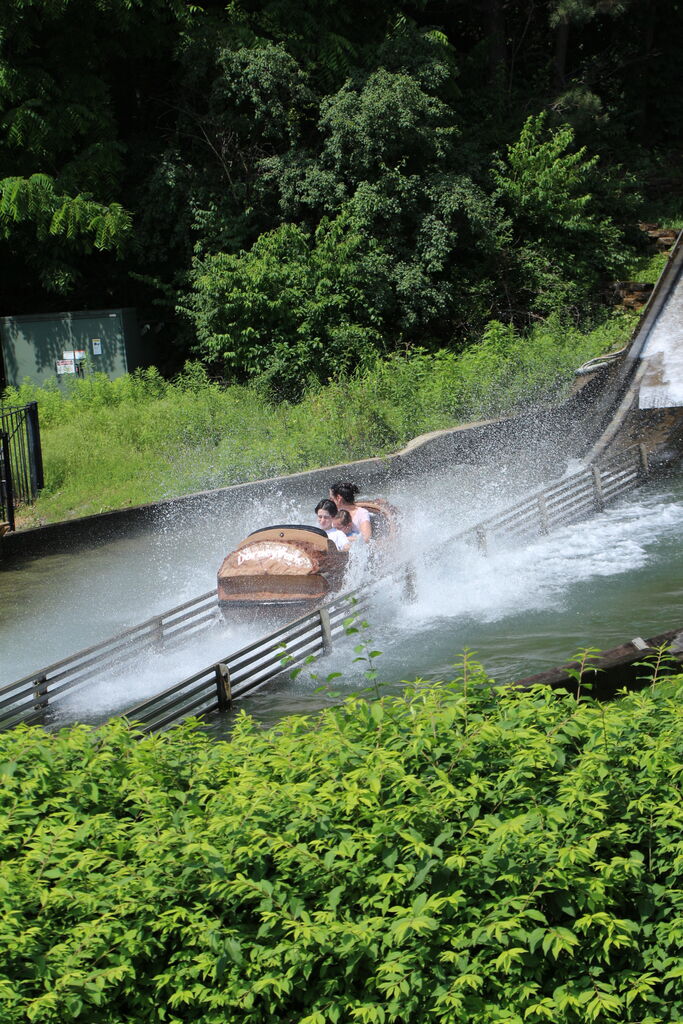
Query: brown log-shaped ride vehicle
point(295, 566)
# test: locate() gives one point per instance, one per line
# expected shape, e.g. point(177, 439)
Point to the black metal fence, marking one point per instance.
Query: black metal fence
point(21, 459)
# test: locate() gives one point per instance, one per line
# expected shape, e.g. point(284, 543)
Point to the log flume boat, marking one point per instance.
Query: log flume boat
point(291, 567)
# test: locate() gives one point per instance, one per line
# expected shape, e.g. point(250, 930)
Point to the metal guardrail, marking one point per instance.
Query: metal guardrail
point(30, 699)
point(26, 699)
point(214, 687)
point(572, 499)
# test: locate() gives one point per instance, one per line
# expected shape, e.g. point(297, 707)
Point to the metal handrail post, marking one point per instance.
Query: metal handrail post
point(158, 633)
point(40, 688)
point(597, 487)
point(325, 630)
point(35, 447)
point(223, 688)
point(644, 465)
point(7, 480)
point(543, 514)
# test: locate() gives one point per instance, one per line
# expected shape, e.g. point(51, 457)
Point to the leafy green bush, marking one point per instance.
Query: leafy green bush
point(386, 237)
point(566, 244)
point(460, 854)
point(294, 307)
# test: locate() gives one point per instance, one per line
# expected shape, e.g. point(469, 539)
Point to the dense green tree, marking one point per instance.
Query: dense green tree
point(447, 148)
point(71, 77)
point(449, 253)
point(389, 156)
point(296, 307)
point(558, 243)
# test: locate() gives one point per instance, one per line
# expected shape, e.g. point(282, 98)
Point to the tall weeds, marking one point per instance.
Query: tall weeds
point(141, 438)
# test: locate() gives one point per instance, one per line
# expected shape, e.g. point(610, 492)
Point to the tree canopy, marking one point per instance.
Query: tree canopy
point(298, 187)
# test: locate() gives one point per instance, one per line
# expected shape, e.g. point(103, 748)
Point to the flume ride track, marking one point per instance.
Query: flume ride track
point(35, 698)
point(614, 410)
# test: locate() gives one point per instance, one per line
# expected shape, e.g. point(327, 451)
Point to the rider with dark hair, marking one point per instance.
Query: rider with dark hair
point(345, 523)
point(326, 510)
point(343, 494)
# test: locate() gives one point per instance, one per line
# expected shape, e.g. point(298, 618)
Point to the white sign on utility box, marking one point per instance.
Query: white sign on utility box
point(65, 366)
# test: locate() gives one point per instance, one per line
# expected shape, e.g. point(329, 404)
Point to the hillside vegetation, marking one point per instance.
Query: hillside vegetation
point(291, 190)
point(141, 438)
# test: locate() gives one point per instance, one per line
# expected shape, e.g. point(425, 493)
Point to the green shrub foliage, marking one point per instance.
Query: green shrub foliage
point(406, 244)
point(459, 854)
point(293, 308)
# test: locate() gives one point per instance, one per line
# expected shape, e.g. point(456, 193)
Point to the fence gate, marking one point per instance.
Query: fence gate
point(21, 460)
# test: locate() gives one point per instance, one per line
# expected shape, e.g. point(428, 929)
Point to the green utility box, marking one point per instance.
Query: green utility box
point(57, 346)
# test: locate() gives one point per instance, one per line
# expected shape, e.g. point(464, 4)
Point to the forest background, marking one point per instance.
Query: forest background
point(366, 220)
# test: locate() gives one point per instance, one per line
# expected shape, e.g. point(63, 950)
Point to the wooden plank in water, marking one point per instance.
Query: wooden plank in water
point(610, 670)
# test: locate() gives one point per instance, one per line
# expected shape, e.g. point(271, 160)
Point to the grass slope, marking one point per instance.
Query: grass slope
point(108, 444)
